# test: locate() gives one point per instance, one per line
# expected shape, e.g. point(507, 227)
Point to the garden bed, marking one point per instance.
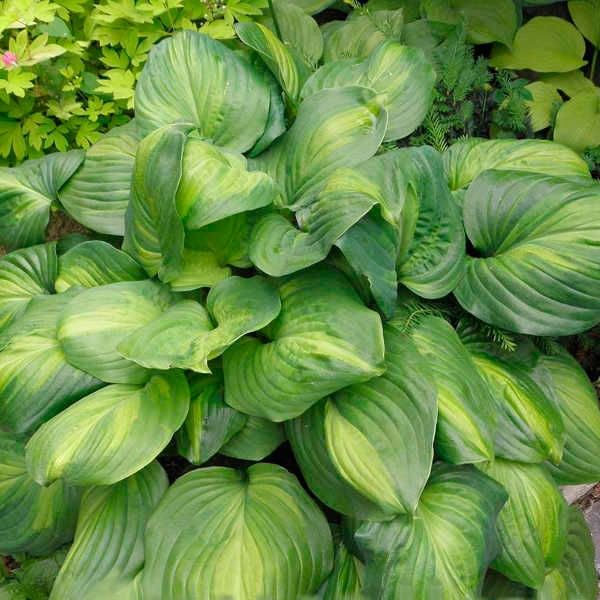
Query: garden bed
point(299, 299)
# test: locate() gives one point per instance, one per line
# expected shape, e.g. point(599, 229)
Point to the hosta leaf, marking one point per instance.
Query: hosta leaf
point(36, 380)
point(578, 122)
point(110, 434)
point(308, 343)
point(467, 420)
point(432, 260)
point(166, 342)
point(544, 44)
point(574, 577)
point(577, 565)
point(345, 581)
point(227, 240)
point(255, 440)
point(586, 15)
point(571, 83)
point(379, 434)
point(299, 31)
point(113, 519)
point(484, 21)
point(154, 233)
point(98, 319)
point(359, 36)
point(334, 128)
point(537, 238)
point(562, 376)
point(97, 194)
point(371, 247)
point(532, 525)
point(465, 160)
point(530, 427)
point(184, 336)
point(188, 79)
point(278, 248)
point(289, 72)
point(306, 435)
point(33, 518)
point(96, 263)
point(26, 193)
point(210, 423)
point(261, 525)
point(24, 274)
point(276, 121)
point(215, 184)
point(201, 268)
point(445, 550)
point(401, 75)
point(542, 107)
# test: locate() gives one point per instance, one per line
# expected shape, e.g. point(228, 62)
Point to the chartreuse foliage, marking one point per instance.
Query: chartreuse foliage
point(288, 279)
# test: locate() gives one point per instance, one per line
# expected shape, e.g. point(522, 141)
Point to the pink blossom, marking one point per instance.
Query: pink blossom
point(9, 59)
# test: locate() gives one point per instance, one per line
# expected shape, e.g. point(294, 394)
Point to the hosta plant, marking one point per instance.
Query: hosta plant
point(273, 280)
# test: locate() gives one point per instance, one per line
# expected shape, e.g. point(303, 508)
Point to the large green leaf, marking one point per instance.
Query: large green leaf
point(544, 44)
point(575, 576)
point(432, 258)
point(36, 380)
point(578, 122)
point(401, 75)
point(538, 242)
point(371, 247)
point(169, 341)
point(484, 21)
point(308, 342)
point(444, 550)
point(94, 323)
point(108, 549)
point(289, 71)
point(306, 435)
point(97, 195)
point(586, 15)
point(255, 440)
point(298, 31)
point(24, 274)
point(110, 434)
point(26, 193)
point(345, 581)
point(465, 160)
point(184, 336)
point(359, 36)
point(571, 83)
point(529, 424)
point(562, 376)
point(154, 233)
point(379, 434)
point(278, 248)
point(543, 105)
point(334, 128)
point(532, 527)
point(210, 423)
point(190, 78)
point(467, 420)
point(577, 565)
point(33, 518)
point(215, 184)
point(222, 533)
point(96, 263)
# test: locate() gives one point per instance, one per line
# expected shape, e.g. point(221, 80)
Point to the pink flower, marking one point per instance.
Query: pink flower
point(9, 59)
